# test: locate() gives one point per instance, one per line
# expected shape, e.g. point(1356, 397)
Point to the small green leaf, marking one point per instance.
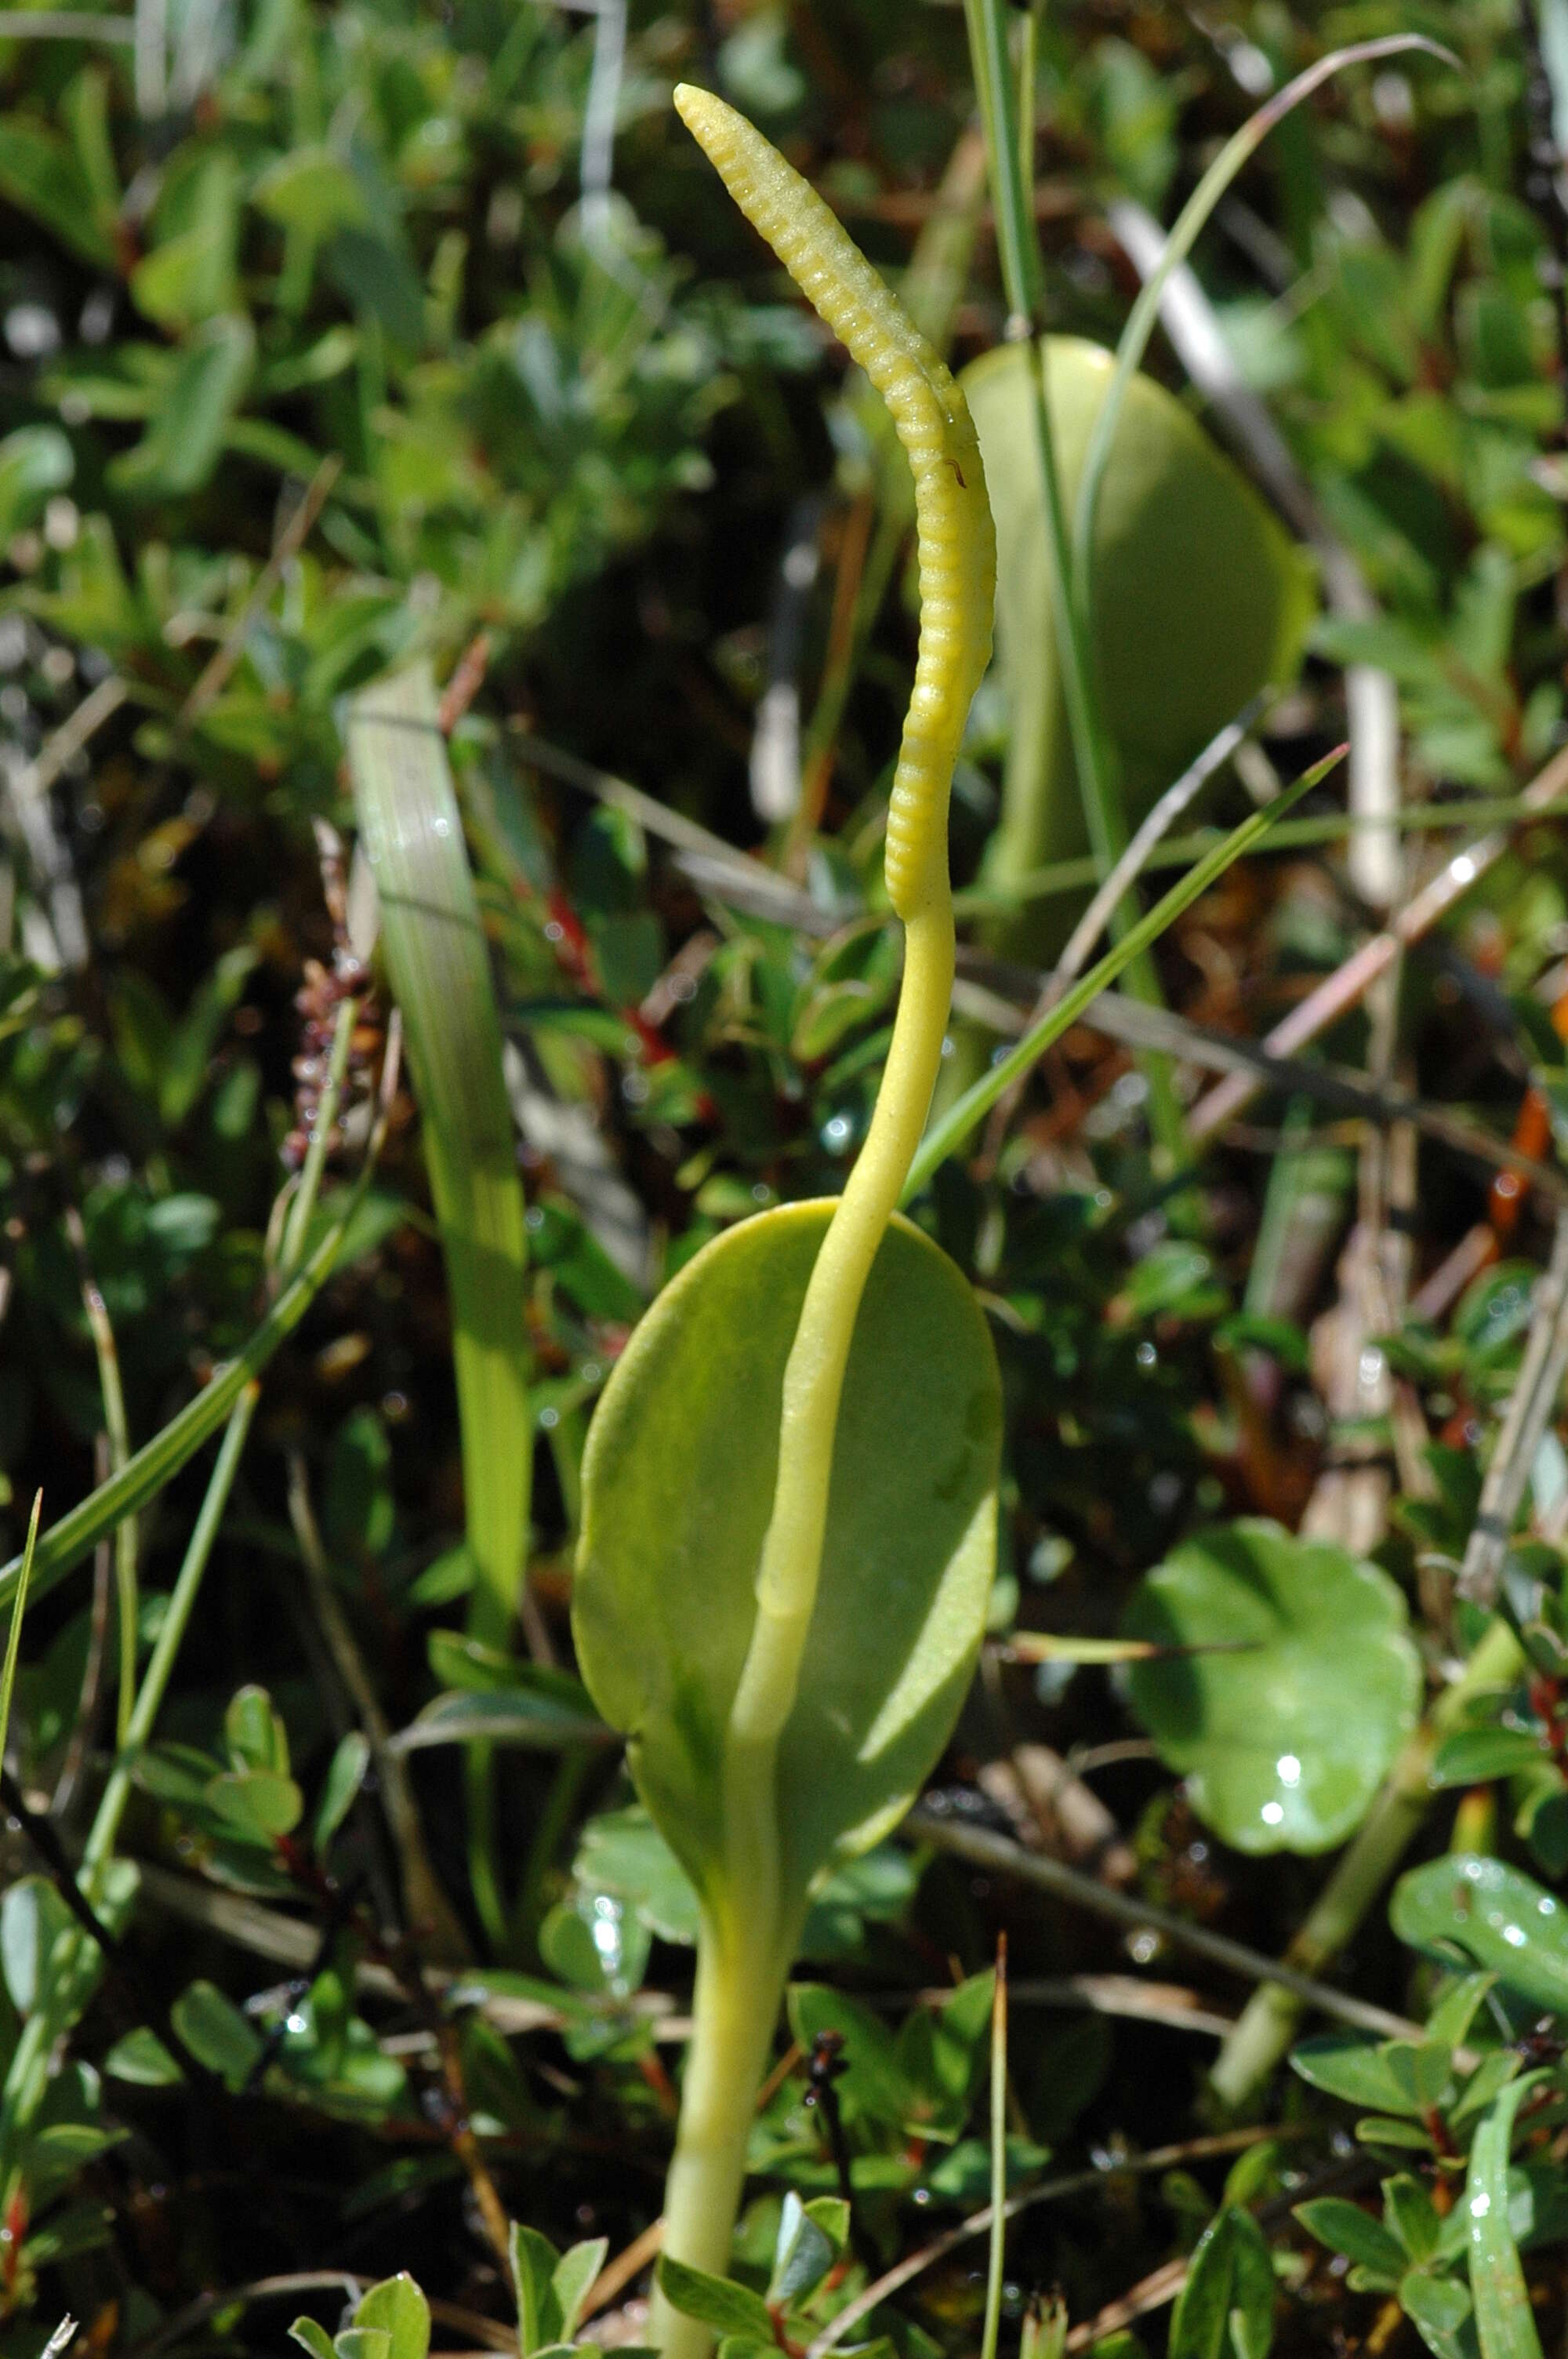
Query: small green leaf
point(41, 177)
point(1226, 2309)
point(183, 443)
point(1472, 1755)
point(533, 2259)
point(34, 461)
point(345, 1776)
point(623, 1854)
point(572, 2281)
point(1484, 1910)
point(258, 1803)
point(1410, 2214)
point(1455, 2008)
point(311, 189)
point(1504, 2325)
point(544, 1710)
point(719, 2302)
point(363, 2343)
point(1285, 1738)
point(1437, 2308)
point(803, 2255)
point(141, 2058)
point(398, 2306)
point(254, 1736)
point(216, 2033)
point(1345, 2065)
point(313, 2338)
point(1346, 2228)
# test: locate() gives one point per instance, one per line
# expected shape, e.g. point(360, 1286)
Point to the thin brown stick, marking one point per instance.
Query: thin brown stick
point(423, 1899)
point(1108, 899)
point(1340, 991)
point(1152, 2292)
point(1051, 2191)
point(74, 732)
point(622, 2271)
point(214, 678)
point(1334, 1086)
point(1006, 1858)
point(1531, 1404)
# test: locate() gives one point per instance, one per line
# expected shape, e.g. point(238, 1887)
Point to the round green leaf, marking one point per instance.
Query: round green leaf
point(677, 1487)
point(1488, 1911)
point(1173, 513)
point(1285, 1735)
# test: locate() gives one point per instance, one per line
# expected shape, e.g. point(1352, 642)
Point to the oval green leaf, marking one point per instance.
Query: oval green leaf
point(1488, 1911)
point(677, 1486)
point(1173, 668)
point(1285, 1734)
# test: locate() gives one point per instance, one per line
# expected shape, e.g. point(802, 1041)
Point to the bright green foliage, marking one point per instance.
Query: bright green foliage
point(1174, 666)
point(1285, 1732)
point(391, 2322)
point(1504, 2324)
point(811, 2237)
point(1225, 2310)
point(440, 972)
point(1485, 1910)
point(676, 1487)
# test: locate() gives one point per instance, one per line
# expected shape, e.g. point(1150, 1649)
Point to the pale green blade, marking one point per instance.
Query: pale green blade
point(439, 966)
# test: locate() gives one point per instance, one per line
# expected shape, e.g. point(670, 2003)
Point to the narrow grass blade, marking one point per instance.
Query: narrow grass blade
point(13, 1642)
point(65, 1544)
point(1141, 321)
point(439, 964)
point(992, 2327)
point(1504, 2323)
point(956, 1125)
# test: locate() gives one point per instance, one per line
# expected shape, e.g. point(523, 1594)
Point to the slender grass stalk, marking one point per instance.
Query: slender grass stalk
point(14, 1640)
point(63, 1547)
point(28, 2073)
point(439, 964)
point(27, 2076)
point(302, 1206)
point(1072, 603)
point(1292, 835)
point(946, 1136)
point(105, 1829)
point(1195, 214)
point(118, 1433)
point(998, 2251)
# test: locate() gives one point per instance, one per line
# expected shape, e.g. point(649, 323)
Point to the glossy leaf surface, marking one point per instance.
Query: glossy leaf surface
point(1285, 1735)
point(1505, 2325)
point(1484, 1910)
point(1173, 667)
point(677, 1483)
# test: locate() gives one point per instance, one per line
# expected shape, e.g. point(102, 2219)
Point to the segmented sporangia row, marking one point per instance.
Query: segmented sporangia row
point(953, 521)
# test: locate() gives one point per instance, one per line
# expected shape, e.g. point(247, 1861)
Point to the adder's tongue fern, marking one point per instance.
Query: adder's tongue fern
point(957, 547)
point(754, 1910)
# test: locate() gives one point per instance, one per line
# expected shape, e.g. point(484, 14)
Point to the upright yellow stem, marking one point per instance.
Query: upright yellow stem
point(744, 1955)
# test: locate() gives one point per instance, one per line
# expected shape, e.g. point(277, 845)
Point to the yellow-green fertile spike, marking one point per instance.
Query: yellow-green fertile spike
point(953, 517)
point(753, 1906)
